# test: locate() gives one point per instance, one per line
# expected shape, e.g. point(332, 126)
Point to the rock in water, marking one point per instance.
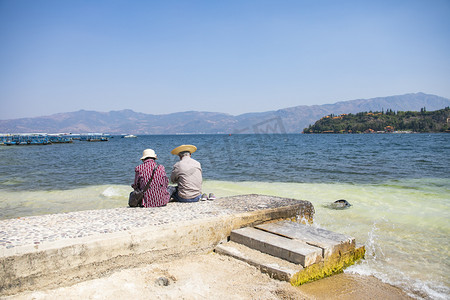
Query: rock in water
point(339, 204)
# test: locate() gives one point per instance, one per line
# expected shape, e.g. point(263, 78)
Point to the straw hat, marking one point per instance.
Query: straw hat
point(148, 153)
point(190, 148)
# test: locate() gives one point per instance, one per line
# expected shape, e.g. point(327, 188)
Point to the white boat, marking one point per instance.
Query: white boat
point(130, 136)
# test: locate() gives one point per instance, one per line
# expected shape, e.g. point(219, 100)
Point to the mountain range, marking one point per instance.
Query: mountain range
point(287, 120)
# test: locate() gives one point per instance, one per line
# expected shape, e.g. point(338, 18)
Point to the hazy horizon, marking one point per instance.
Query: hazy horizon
point(218, 112)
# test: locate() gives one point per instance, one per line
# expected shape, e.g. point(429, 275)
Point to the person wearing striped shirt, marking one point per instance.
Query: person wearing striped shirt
point(157, 194)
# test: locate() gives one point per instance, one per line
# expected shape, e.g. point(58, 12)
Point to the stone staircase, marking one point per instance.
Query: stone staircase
point(291, 251)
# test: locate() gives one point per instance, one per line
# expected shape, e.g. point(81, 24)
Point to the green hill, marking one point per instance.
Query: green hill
point(389, 121)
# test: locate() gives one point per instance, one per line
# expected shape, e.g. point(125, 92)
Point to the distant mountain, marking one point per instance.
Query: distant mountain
point(289, 120)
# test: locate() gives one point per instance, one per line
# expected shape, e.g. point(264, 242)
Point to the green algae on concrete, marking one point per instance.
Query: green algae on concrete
point(334, 264)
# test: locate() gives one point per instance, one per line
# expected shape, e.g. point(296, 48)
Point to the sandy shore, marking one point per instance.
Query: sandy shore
point(213, 276)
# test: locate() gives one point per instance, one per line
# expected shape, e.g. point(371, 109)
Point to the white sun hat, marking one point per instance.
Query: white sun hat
point(148, 153)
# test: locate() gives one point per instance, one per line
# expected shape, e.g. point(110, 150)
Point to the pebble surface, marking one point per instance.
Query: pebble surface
point(36, 230)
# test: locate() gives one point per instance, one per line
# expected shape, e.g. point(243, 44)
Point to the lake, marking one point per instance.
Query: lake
point(398, 185)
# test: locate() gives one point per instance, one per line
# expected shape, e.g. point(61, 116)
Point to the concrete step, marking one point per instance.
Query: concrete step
point(315, 253)
point(294, 251)
point(273, 266)
point(330, 242)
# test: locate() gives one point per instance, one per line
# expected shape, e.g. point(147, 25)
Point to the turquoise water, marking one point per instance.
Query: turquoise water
point(398, 185)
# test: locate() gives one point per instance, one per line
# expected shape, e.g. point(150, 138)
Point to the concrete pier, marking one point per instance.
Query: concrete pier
point(56, 250)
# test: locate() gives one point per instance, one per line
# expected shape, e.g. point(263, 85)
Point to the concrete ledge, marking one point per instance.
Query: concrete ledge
point(289, 249)
point(66, 261)
point(275, 267)
point(330, 242)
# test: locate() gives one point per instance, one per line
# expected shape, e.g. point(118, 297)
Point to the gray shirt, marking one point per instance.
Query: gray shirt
point(188, 174)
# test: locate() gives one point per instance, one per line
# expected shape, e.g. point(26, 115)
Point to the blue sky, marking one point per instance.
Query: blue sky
point(225, 56)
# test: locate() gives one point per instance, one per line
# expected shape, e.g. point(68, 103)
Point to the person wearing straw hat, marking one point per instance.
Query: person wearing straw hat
point(187, 173)
point(157, 193)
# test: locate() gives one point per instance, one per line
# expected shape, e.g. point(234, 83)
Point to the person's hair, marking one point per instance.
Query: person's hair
point(184, 153)
point(147, 158)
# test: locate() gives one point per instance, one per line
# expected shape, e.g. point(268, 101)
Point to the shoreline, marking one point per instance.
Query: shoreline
point(214, 276)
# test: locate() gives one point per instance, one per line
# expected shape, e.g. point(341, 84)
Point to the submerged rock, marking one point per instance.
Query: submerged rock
point(339, 204)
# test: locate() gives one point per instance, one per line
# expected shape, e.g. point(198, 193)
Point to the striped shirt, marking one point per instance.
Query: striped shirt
point(156, 194)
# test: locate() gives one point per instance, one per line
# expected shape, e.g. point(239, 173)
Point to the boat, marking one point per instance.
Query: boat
point(94, 137)
point(60, 138)
point(130, 136)
point(25, 139)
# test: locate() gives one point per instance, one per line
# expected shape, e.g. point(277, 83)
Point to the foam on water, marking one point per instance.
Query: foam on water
point(113, 193)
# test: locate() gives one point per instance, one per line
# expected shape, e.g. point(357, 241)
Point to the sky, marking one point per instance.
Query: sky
point(234, 56)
